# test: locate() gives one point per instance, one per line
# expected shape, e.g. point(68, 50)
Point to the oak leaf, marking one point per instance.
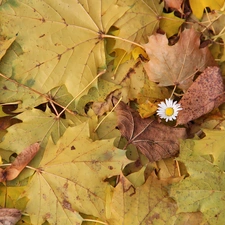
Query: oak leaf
point(21, 161)
point(155, 140)
point(177, 64)
point(205, 94)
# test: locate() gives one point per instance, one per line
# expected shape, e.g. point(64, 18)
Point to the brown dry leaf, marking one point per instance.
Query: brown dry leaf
point(9, 216)
point(7, 121)
point(20, 163)
point(205, 94)
point(174, 4)
point(155, 140)
point(177, 64)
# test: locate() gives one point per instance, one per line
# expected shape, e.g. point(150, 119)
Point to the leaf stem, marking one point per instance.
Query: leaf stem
point(11, 103)
point(65, 108)
point(94, 221)
point(7, 164)
point(178, 168)
point(122, 39)
point(37, 92)
point(173, 91)
point(108, 114)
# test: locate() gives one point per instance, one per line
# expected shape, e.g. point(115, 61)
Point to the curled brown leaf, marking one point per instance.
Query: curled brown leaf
point(21, 161)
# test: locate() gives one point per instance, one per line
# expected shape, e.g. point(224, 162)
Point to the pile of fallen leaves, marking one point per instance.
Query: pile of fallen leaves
point(80, 84)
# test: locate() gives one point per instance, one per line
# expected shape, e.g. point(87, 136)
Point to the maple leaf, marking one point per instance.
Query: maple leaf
point(45, 125)
point(199, 6)
point(204, 189)
point(170, 23)
point(22, 96)
point(177, 64)
point(53, 40)
point(11, 197)
point(202, 97)
point(153, 139)
point(70, 178)
point(140, 20)
point(147, 204)
point(213, 145)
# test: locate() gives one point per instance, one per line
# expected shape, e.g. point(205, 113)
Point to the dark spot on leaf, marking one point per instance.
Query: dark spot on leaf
point(65, 185)
point(30, 82)
point(67, 205)
point(110, 167)
point(42, 36)
point(72, 148)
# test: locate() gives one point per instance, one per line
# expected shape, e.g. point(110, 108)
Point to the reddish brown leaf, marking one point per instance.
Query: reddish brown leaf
point(9, 216)
point(174, 4)
point(177, 64)
point(155, 140)
point(19, 163)
point(205, 94)
point(7, 121)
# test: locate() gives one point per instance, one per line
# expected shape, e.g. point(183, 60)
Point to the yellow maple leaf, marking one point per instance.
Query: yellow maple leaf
point(199, 6)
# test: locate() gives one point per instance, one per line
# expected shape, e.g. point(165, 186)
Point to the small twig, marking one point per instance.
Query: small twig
point(178, 168)
point(175, 86)
point(35, 91)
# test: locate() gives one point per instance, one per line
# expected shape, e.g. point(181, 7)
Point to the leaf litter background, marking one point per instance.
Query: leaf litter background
point(62, 66)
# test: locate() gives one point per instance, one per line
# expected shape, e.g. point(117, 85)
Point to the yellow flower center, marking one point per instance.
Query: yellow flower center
point(169, 111)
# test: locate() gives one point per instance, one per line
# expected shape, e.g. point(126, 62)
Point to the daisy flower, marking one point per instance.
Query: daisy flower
point(168, 110)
